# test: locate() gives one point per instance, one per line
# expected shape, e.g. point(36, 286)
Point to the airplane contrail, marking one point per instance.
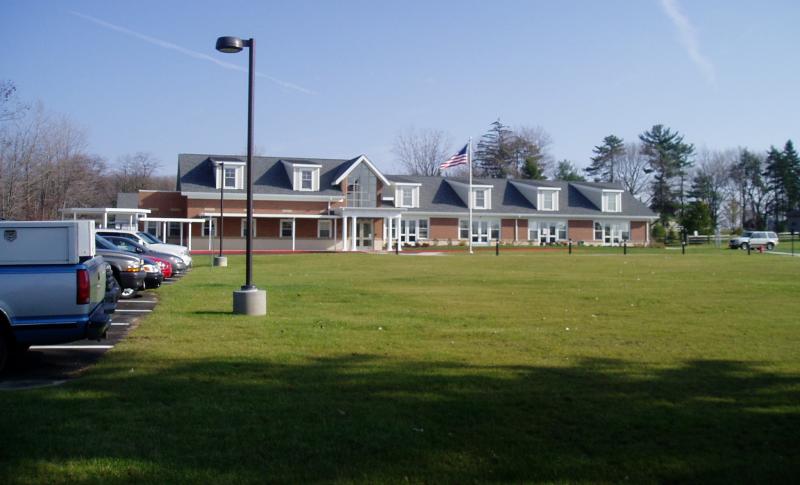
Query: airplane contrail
point(686, 35)
point(188, 52)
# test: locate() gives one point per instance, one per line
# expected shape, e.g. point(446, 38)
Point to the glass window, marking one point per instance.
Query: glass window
point(533, 231)
point(213, 227)
point(562, 231)
point(286, 228)
point(306, 179)
point(174, 229)
point(548, 200)
point(611, 201)
point(495, 234)
point(480, 199)
point(598, 231)
point(422, 224)
point(244, 228)
point(463, 229)
point(407, 197)
point(230, 178)
point(324, 229)
point(362, 187)
point(151, 227)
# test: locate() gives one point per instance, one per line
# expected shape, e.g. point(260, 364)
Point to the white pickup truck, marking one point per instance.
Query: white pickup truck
point(52, 286)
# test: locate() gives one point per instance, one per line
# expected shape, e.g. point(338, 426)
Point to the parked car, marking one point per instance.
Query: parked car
point(154, 275)
point(166, 266)
point(149, 241)
point(754, 239)
point(52, 285)
point(113, 291)
point(125, 244)
point(127, 268)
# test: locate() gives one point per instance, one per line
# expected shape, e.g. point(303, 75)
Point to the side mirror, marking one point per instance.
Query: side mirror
point(139, 250)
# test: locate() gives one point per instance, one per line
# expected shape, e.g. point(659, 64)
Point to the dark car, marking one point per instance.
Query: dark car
point(154, 275)
point(127, 268)
point(113, 290)
point(127, 245)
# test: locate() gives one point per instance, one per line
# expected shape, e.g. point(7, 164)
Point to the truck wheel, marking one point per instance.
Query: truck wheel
point(744, 246)
point(770, 246)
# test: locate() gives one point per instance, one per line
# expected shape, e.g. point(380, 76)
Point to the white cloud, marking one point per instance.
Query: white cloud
point(197, 55)
point(688, 37)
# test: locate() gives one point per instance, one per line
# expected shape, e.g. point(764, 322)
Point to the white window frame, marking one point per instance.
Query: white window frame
point(487, 198)
point(558, 224)
point(540, 199)
point(493, 225)
point(303, 173)
point(243, 224)
point(325, 222)
point(623, 226)
point(239, 175)
point(280, 229)
point(403, 190)
point(461, 224)
point(235, 177)
point(205, 227)
point(607, 194)
point(297, 175)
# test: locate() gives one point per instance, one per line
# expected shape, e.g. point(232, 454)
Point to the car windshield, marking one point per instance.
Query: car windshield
point(149, 238)
point(747, 234)
point(103, 243)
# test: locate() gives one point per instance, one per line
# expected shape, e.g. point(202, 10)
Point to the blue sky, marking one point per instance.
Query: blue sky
point(343, 78)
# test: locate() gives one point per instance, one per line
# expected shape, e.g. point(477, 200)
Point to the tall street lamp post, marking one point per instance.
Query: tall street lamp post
point(249, 300)
point(220, 260)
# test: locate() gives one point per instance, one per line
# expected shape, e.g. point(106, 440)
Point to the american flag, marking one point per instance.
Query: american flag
point(459, 158)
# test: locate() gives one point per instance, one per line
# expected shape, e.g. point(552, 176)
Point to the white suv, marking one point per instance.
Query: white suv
point(150, 241)
point(754, 239)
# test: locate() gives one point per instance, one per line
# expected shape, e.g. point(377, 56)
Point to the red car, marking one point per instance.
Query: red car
point(166, 266)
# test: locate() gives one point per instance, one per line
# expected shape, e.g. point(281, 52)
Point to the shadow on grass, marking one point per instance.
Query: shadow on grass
point(366, 418)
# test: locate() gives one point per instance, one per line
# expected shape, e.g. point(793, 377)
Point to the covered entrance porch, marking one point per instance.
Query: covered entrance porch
point(370, 229)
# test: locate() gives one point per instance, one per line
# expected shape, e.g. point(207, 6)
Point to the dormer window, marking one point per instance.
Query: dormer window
point(229, 175)
point(548, 199)
point(482, 197)
point(407, 195)
point(612, 201)
point(306, 180)
point(230, 178)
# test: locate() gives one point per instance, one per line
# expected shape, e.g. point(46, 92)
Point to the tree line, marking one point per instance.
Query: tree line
point(699, 190)
point(45, 164)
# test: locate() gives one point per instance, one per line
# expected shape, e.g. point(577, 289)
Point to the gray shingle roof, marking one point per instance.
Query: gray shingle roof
point(195, 174)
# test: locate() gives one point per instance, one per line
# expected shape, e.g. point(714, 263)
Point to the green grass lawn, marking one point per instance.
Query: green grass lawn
point(529, 367)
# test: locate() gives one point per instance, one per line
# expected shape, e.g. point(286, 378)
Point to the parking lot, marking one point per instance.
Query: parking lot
point(48, 365)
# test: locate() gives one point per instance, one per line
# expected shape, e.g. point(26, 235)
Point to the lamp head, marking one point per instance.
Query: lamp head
point(230, 45)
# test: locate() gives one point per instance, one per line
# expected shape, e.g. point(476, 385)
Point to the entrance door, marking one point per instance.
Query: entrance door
point(480, 231)
point(613, 234)
point(364, 234)
point(408, 230)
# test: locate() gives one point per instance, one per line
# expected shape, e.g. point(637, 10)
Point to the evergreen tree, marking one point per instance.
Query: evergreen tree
point(604, 164)
point(705, 190)
point(697, 217)
point(567, 171)
point(747, 175)
point(782, 174)
point(493, 155)
point(668, 159)
point(531, 169)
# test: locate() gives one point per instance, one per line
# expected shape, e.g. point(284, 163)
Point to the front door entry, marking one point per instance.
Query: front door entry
point(364, 234)
point(480, 231)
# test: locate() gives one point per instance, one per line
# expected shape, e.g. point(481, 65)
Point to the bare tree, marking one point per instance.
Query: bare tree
point(136, 171)
point(630, 171)
point(10, 106)
point(536, 136)
point(420, 152)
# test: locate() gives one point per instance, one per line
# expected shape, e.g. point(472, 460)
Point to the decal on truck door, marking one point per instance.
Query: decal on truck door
point(10, 235)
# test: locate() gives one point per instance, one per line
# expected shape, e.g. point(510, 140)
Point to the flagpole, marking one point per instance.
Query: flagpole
point(469, 197)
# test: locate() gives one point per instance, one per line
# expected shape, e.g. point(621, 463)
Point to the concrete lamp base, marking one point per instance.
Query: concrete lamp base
point(250, 302)
point(221, 261)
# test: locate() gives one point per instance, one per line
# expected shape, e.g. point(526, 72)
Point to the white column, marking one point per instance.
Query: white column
point(399, 236)
point(516, 229)
point(647, 233)
point(335, 234)
point(294, 219)
point(384, 232)
point(344, 234)
point(164, 232)
point(353, 234)
point(189, 239)
point(181, 234)
point(105, 220)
